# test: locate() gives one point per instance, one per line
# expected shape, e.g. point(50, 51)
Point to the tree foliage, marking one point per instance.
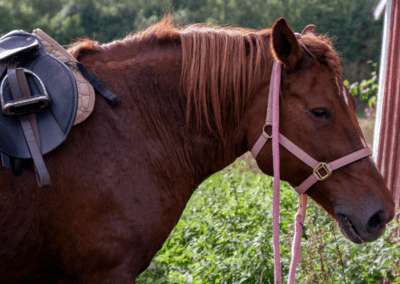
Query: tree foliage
point(350, 22)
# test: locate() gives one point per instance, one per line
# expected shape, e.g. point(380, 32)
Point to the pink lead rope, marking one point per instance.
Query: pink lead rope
point(300, 216)
point(276, 80)
point(317, 175)
point(299, 221)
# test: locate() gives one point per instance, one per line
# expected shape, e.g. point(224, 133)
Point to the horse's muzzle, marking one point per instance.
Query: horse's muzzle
point(360, 227)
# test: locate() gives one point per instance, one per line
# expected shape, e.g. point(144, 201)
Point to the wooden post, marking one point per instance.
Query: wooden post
point(387, 125)
point(382, 69)
point(388, 155)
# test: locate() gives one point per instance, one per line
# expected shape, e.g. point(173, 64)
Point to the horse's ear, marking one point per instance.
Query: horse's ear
point(310, 30)
point(284, 44)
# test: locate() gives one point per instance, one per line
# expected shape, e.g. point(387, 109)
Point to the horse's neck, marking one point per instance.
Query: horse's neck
point(153, 107)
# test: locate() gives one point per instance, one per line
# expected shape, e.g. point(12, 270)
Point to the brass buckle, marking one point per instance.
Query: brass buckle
point(321, 177)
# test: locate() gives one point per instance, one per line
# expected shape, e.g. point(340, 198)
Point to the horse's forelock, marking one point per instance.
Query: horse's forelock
point(320, 48)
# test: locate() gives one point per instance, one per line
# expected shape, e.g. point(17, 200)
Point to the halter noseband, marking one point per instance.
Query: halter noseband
point(299, 153)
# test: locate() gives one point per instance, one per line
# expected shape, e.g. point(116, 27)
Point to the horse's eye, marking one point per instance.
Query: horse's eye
point(322, 114)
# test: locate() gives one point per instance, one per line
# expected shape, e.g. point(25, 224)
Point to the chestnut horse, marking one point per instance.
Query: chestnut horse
point(192, 100)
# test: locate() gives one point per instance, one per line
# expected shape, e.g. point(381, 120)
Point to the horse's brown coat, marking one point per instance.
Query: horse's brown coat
point(122, 179)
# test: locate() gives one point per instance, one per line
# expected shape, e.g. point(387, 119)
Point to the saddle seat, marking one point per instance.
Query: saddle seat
point(39, 98)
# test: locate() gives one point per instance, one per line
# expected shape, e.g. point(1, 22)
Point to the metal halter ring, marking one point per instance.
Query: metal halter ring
point(10, 107)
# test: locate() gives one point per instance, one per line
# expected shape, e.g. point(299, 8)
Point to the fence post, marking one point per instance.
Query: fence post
point(388, 143)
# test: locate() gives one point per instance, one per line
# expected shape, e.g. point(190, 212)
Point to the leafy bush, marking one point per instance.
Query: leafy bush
point(366, 90)
point(225, 236)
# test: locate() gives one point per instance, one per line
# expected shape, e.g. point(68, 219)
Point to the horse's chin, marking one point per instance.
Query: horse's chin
point(349, 236)
point(348, 230)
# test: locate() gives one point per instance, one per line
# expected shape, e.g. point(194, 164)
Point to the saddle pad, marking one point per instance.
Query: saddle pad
point(55, 121)
point(86, 97)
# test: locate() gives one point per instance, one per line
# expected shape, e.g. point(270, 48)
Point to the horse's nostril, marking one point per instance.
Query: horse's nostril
point(377, 220)
point(374, 221)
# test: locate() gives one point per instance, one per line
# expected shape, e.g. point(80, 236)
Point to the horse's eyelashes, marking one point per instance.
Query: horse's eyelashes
point(322, 114)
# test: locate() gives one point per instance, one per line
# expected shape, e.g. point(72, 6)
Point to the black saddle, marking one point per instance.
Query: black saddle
point(39, 100)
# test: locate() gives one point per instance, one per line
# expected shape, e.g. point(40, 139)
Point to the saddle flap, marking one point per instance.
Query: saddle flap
point(17, 42)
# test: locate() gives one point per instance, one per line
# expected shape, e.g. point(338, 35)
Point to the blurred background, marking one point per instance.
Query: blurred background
point(350, 22)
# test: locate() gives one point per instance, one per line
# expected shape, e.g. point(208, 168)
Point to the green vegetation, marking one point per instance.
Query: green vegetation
point(225, 236)
point(367, 88)
point(358, 36)
point(365, 93)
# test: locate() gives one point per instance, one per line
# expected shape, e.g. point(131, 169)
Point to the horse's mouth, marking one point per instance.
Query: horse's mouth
point(348, 229)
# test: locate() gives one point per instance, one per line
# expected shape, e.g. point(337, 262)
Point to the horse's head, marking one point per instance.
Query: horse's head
point(317, 113)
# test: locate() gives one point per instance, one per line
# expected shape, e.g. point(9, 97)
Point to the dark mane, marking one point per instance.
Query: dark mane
point(219, 64)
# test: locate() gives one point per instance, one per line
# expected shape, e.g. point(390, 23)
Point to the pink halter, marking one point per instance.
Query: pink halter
point(277, 138)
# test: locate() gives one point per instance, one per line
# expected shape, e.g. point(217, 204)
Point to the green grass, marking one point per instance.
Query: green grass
point(225, 236)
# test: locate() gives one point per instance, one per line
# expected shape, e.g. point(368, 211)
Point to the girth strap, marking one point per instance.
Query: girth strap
point(20, 89)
